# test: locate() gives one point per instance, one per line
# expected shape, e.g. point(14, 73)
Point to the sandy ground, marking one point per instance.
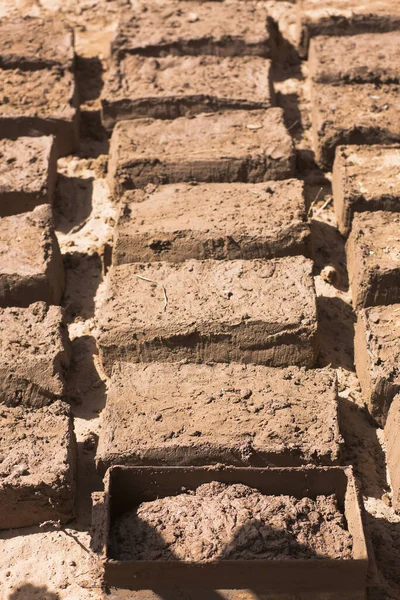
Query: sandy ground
point(57, 564)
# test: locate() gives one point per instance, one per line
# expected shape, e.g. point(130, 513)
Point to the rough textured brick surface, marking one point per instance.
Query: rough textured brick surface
point(28, 172)
point(31, 265)
point(41, 102)
point(344, 17)
point(33, 43)
point(240, 311)
point(157, 28)
point(353, 114)
point(392, 439)
point(364, 58)
point(248, 146)
point(37, 466)
point(365, 178)
point(34, 355)
point(377, 353)
point(373, 258)
point(173, 86)
point(218, 220)
point(176, 414)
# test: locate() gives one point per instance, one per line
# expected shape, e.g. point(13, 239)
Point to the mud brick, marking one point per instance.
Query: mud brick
point(241, 311)
point(31, 265)
point(37, 467)
point(365, 178)
point(40, 102)
point(353, 114)
point(377, 353)
point(344, 17)
point(392, 440)
point(33, 43)
point(364, 58)
point(28, 172)
point(170, 87)
point(218, 220)
point(373, 259)
point(238, 145)
point(157, 28)
point(34, 355)
point(176, 414)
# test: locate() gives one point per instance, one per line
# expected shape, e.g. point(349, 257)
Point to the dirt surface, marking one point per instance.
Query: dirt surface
point(37, 465)
point(240, 311)
point(230, 146)
point(31, 266)
point(155, 28)
point(28, 172)
point(162, 88)
point(238, 523)
point(353, 114)
point(231, 414)
point(34, 355)
point(219, 221)
point(373, 253)
point(364, 58)
point(344, 17)
point(365, 178)
point(377, 356)
point(32, 43)
point(44, 101)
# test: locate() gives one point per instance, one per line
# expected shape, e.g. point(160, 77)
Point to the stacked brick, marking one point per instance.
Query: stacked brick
point(38, 122)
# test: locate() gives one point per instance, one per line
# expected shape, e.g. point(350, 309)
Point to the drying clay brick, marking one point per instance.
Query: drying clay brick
point(37, 466)
point(32, 43)
point(170, 87)
point(238, 145)
point(364, 58)
point(392, 440)
point(34, 355)
point(157, 28)
point(41, 102)
point(31, 265)
point(241, 311)
point(176, 414)
point(28, 172)
point(373, 253)
point(344, 17)
point(218, 220)
point(376, 356)
point(365, 178)
point(353, 114)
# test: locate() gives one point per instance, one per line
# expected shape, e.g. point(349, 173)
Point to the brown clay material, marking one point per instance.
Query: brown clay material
point(392, 439)
point(247, 146)
point(181, 414)
point(353, 114)
point(40, 102)
point(37, 466)
point(31, 265)
point(241, 311)
point(28, 171)
point(219, 220)
point(174, 86)
point(157, 28)
point(127, 488)
point(34, 43)
point(218, 521)
point(365, 178)
point(342, 18)
point(364, 58)
point(376, 357)
point(373, 253)
point(34, 355)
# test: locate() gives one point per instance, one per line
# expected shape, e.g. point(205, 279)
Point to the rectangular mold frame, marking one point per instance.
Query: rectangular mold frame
point(126, 487)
